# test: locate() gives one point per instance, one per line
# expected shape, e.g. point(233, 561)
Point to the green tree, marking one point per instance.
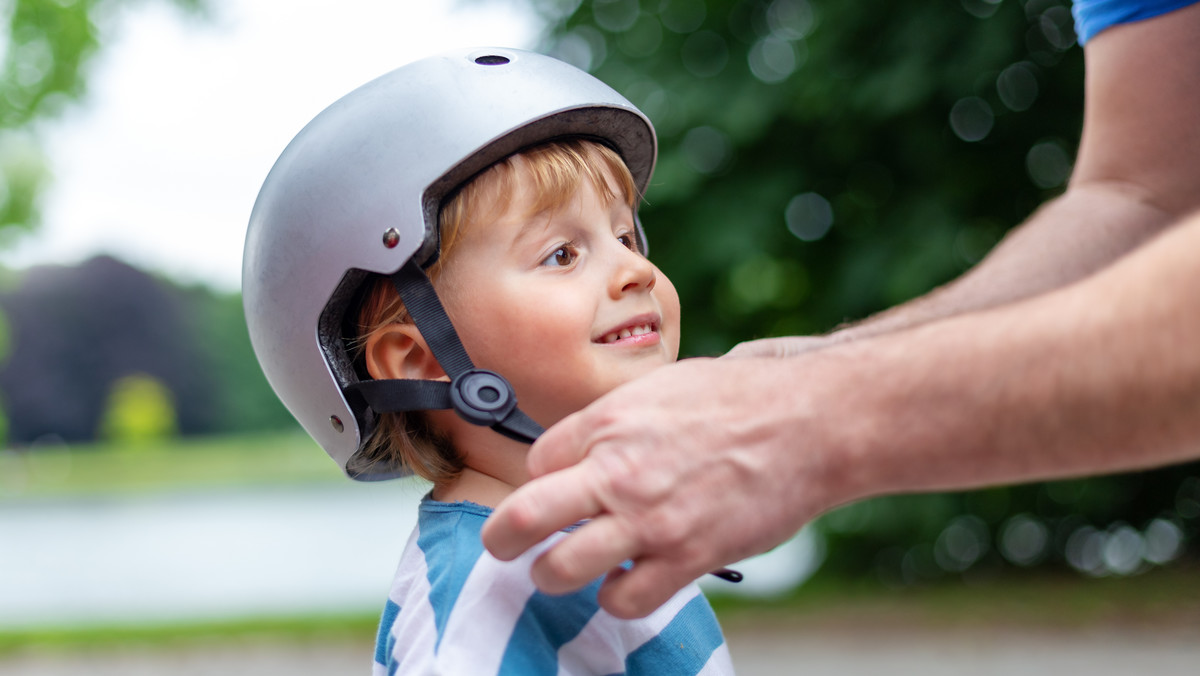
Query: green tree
point(46, 49)
point(245, 401)
point(139, 410)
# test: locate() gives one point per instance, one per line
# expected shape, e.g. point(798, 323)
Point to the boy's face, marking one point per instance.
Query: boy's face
point(560, 303)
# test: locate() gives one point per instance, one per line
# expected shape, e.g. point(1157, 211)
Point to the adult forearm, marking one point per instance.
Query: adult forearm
point(1069, 238)
point(1083, 231)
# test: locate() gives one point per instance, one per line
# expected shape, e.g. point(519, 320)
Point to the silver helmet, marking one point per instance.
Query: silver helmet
point(358, 190)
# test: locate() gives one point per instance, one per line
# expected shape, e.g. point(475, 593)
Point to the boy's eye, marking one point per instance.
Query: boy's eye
point(562, 256)
point(629, 241)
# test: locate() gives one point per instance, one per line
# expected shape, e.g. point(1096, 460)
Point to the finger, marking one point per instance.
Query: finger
point(777, 348)
point(637, 592)
point(539, 508)
point(745, 350)
point(560, 447)
point(765, 347)
point(584, 555)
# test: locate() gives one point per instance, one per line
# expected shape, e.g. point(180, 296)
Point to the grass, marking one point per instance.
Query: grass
point(89, 469)
point(1167, 598)
point(323, 629)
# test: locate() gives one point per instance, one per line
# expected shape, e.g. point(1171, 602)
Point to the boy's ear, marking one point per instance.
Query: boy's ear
point(398, 351)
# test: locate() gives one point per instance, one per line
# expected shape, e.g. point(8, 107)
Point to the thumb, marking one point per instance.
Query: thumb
point(560, 447)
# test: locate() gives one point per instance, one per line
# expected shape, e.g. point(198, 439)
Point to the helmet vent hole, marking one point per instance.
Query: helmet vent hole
point(491, 60)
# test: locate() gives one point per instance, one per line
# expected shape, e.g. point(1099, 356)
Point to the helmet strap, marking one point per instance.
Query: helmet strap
point(478, 396)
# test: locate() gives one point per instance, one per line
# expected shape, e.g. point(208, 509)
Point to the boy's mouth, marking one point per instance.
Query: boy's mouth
point(638, 326)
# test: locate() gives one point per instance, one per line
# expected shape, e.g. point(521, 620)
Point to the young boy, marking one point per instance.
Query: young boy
point(461, 234)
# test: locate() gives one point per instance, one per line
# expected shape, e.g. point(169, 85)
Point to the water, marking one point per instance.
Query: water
point(237, 553)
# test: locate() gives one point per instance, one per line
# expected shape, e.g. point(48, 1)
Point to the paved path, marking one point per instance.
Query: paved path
point(1099, 652)
point(1008, 653)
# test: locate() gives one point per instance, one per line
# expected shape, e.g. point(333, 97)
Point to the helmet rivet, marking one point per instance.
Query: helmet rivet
point(337, 423)
point(391, 238)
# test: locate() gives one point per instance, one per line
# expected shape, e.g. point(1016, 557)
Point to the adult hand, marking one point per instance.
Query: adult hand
point(664, 467)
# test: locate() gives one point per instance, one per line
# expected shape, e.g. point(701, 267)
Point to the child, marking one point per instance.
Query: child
point(461, 234)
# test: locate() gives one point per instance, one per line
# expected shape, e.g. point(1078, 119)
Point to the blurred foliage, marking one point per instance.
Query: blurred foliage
point(77, 331)
point(820, 161)
point(46, 47)
point(245, 401)
point(139, 411)
point(813, 161)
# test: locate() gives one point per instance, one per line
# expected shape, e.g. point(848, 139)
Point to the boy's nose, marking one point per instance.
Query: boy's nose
point(633, 272)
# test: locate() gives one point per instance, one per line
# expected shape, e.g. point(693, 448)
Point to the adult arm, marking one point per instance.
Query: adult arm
point(1099, 376)
point(1137, 173)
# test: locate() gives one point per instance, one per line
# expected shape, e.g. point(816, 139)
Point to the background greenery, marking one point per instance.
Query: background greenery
point(819, 161)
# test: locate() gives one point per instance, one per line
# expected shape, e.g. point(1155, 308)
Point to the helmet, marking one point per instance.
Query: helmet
point(358, 190)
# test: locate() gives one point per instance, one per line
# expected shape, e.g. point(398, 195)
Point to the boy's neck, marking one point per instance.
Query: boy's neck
point(493, 465)
point(473, 486)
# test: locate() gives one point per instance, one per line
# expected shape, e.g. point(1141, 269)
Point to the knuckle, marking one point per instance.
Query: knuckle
point(555, 566)
point(523, 517)
point(662, 531)
point(558, 570)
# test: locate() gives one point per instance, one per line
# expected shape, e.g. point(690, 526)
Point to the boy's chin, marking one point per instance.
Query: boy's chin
point(549, 413)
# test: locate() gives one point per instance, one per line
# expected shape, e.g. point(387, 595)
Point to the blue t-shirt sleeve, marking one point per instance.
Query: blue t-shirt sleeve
point(1093, 16)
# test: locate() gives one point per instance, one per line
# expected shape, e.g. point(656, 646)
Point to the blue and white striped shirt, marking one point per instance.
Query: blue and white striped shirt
point(456, 610)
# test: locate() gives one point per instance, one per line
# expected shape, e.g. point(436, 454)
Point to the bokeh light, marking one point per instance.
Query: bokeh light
point(962, 543)
point(981, 9)
point(809, 216)
point(643, 38)
point(682, 16)
point(791, 19)
point(707, 149)
point(971, 118)
point(1017, 86)
point(1023, 540)
point(584, 47)
point(773, 59)
point(615, 15)
point(1048, 164)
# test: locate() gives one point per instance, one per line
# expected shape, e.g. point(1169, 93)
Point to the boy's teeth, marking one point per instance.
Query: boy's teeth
point(626, 333)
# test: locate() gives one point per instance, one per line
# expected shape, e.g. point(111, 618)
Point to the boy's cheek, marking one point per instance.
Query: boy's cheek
point(669, 304)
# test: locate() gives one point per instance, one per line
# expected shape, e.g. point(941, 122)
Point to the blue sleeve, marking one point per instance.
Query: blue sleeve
point(1093, 16)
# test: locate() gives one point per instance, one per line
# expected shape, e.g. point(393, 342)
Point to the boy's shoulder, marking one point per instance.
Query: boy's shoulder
point(450, 529)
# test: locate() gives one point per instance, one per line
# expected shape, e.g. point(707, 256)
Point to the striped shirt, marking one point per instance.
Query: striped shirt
point(456, 610)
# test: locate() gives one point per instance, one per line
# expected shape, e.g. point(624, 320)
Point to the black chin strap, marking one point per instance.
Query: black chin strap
point(479, 396)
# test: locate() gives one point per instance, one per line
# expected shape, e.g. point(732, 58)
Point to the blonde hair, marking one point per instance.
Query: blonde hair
point(556, 171)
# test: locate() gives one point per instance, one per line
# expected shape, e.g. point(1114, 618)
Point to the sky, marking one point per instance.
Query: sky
point(160, 163)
